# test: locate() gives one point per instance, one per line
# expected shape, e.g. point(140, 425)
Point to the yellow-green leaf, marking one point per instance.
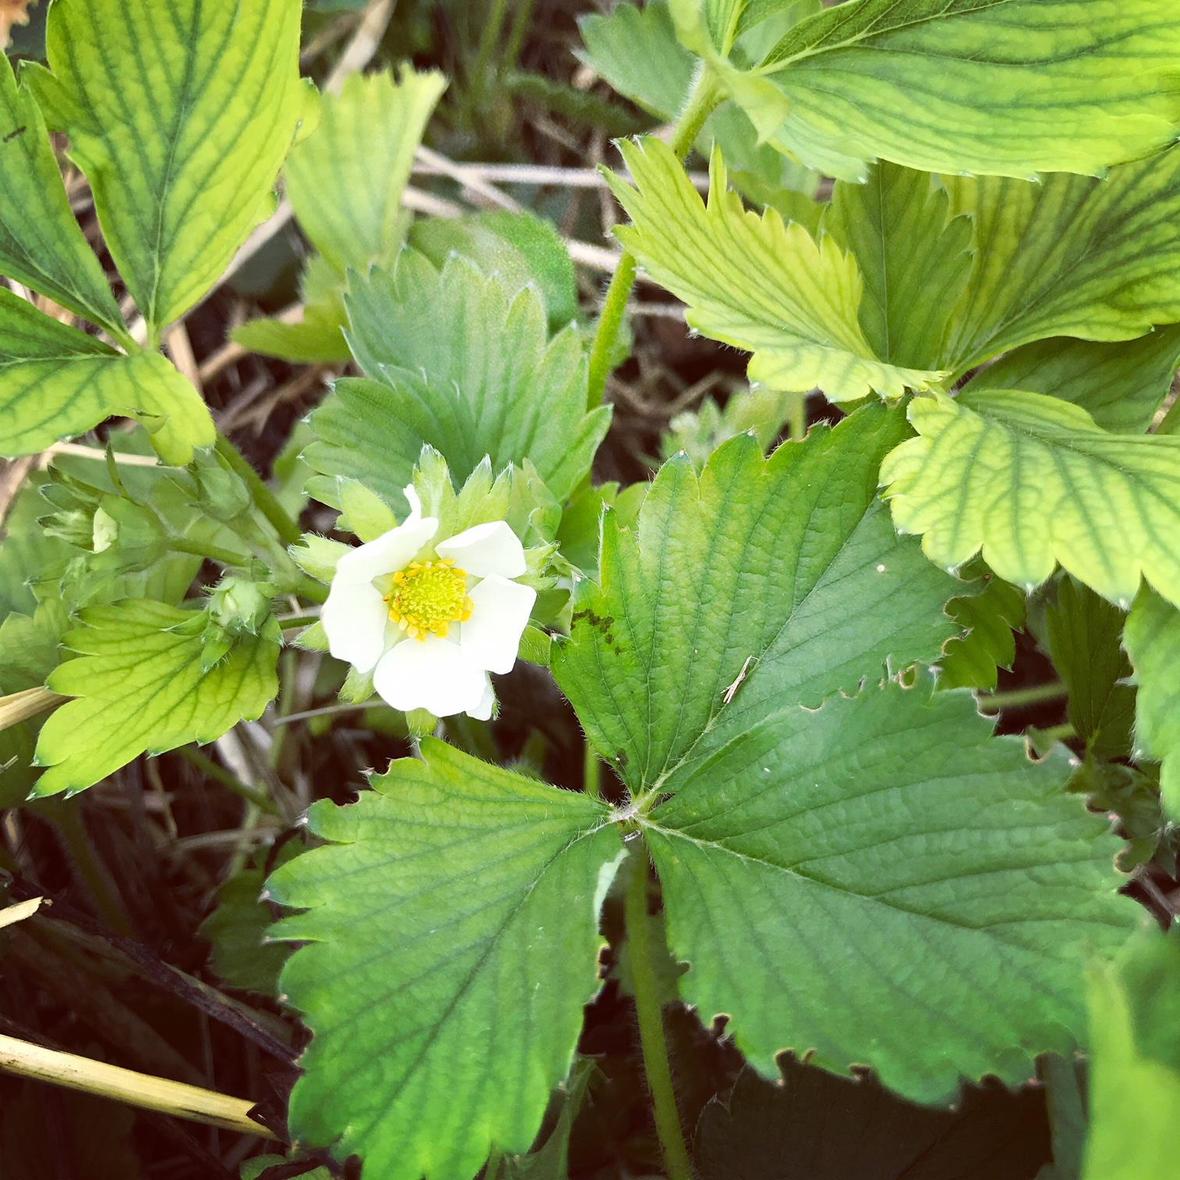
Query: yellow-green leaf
point(180, 114)
point(754, 281)
point(56, 382)
point(40, 242)
point(142, 687)
point(1031, 481)
point(1004, 87)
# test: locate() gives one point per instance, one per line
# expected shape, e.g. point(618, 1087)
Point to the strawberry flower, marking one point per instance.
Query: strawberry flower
point(431, 619)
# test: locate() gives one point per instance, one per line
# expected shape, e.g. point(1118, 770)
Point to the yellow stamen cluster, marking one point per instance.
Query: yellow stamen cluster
point(428, 596)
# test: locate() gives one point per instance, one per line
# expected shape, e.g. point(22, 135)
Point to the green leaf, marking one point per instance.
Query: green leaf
point(345, 180)
point(519, 248)
point(815, 1126)
point(1135, 1076)
point(914, 256)
point(180, 119)
point(757, 583)
point(41, 244)
point(1031, 481)
point(1070, 256)
point(1121, 385)
point(58, 382)
point(1152, 640)
point(753, 281)
point(989, 620)
point(316, 339)
point(499, 388)
point(1003, 87)
point(1084, 632)
point(551, 1160)
point(237, 929)
point(452, 939)
point(881, 881)
point(141, 687)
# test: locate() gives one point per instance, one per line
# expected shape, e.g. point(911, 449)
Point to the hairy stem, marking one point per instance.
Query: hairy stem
point(219, 774)
point(591, 772)
point(703, 99)
point(642, 937)
point(280, 519)
point(1020, 698)
point(27, 1060)
point(66, 820)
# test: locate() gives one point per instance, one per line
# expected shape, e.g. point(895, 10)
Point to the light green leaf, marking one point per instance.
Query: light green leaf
point(180, 118)
point(881, 881)
point(757, 583)
point(1121, 385)
point(915, 259)
point(41, 244)
point(1031, 481)
point(1152, 640)
point(141, 687)
point(1070, 256)
point(518, 248)
point(500, 387)
point(1135, 1076)
point(755, 282)
point(989, 620)
point(316, 339)
point(1084, 632)
point(1003, 87)
point(58, 382)
point(345, 180)
point(443, 1013)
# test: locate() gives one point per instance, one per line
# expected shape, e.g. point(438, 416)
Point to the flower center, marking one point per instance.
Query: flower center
point(428, 596)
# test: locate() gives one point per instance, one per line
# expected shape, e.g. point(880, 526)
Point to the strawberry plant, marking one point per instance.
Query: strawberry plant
point(407, 774)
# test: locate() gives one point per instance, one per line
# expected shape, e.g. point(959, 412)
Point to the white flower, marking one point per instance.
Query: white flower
point(431, 629)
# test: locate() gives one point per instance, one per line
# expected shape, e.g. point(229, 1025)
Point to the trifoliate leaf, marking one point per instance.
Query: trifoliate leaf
point(754, 281)
point(1121, 385)
point(989, 619)
point(181, 144)
point(1004, 87)
point(1084, 633)
point(915, 259)
point(1031, 481)
point(815, 1126)
point(345, 180)
point(141, 687)
point(1135, 1076)
point(1069, 256)
point(41, 244)
point(452, 938)
point(499, 388)
point(1152, 639)
point(880, 881)
point(59, 382)
point(734, 595)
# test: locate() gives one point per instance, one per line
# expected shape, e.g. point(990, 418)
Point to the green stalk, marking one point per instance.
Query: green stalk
point(1171, 422)
point(264, 499)
point(1020, 698)
point(700, 106)
point(653, 1041)
point(223, 557)
point(67, 822)
point(243, 790)
point(591, 772)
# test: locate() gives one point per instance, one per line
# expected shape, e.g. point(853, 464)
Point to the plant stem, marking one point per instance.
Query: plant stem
point(591, 772)
point(27, 1060)
point(219, 774)
point(797, 414)
point(652, 1039)
point(1171, 422)
point(492, 1168)
point(703, 99)
point(223, 557)
point(264, 499)
point(66, 820)
point(1020, 698)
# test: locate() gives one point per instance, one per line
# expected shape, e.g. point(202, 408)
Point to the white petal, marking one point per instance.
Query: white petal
point(485, 550)
point(388, 553)
point(431, 673)
point(491, 637)
point(483, 711)
point(354, 618)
